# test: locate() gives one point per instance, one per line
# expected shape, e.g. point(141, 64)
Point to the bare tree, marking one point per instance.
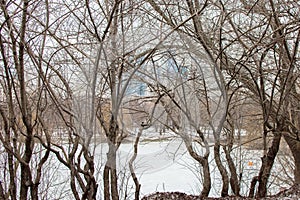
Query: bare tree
point(69, 66)
point(263, 72)
point(246, 52)
point(22, 106)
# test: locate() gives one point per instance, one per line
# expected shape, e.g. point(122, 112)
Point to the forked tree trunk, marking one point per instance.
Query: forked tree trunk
point(203, 160)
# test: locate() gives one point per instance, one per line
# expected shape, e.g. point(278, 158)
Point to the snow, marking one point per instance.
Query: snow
point(161, 165)
point(166, 166)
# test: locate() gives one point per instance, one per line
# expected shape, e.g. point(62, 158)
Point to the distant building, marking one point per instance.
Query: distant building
point(167, 68)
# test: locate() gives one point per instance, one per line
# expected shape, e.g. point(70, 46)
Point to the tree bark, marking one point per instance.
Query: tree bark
point(205, 166)
point(252, 186)
point(207, 180)
point(294, 146)
point(12, 184)
point(26, 177)
point(267, 164)
point(114, 183)
point(234, 181)
point(110, 176)
point(106, 183)
point(2, 196)
point(222, 170)
point(26, 181)
point(133, 175)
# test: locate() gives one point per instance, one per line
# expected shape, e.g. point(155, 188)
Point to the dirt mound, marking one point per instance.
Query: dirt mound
point(170, 195)
point(290, 194)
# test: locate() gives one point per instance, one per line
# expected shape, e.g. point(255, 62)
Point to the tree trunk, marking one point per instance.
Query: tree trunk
point(12, 184)
point(26, 177)
point(234, 181)
point(132, 159)
point(294, 146)
point(113, 172)
point(25, 181)
point(203, 160)
point(90, 190)
point(252, 186)
point(267, 164)
point(110, 176)
point(106, 183)
point(207, 181)
point(222, 170)
point(229, 129)
point(114, 183)
point(35, 191)
point(2, 196)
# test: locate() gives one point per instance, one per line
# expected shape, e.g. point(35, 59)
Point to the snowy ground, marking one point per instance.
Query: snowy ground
point(166, 166)
point(161, 165)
